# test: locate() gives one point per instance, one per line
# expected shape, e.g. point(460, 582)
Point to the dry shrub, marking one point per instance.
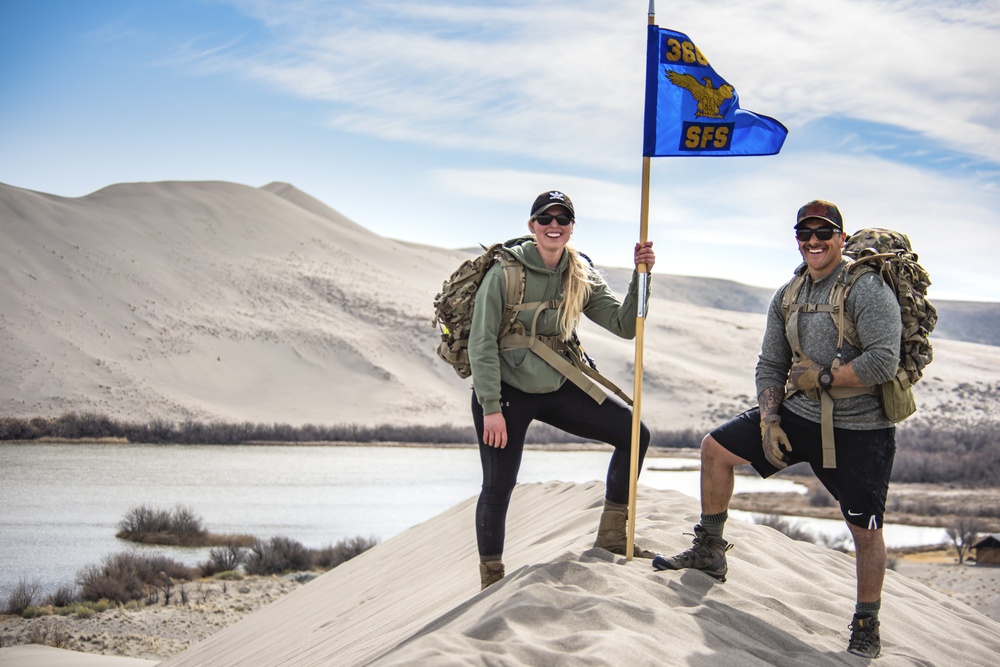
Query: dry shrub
point(128, 576)
point(967, 457)
point(277, 555)
point(331, 556)
point(147, 525)
point(186, 524)
point(48, 634)
point(224, 559)
point(23, 596)
point(63, 596)
point(143, 519)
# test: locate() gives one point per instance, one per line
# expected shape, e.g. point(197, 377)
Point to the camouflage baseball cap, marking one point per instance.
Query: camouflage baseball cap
point(823, 210)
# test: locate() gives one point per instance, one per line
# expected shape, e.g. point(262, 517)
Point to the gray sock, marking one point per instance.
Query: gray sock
point(868, 609)
point(714, 524)
point(614, 507)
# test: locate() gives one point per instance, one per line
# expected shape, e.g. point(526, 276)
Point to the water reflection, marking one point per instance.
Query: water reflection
point(835, 530)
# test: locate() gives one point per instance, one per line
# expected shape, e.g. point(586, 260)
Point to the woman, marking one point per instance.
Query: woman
point(513, 387)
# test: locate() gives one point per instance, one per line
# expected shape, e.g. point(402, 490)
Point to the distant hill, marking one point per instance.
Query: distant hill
point(218, 301)
point(706, 292)
point(970, 321)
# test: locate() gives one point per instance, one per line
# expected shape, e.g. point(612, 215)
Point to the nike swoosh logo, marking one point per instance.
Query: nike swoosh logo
point(850, 513)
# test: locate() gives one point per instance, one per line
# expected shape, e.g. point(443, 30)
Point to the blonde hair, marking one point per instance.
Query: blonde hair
point(578, 283)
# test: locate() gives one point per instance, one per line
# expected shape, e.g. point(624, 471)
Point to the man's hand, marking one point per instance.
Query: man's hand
point(804, 374)
point(775, 441)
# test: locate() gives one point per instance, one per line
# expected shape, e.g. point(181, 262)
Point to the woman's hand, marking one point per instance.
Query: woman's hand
point(495, 430)
point(644, 255)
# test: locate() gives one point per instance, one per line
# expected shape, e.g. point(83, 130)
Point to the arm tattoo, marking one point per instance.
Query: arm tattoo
point(769, 401)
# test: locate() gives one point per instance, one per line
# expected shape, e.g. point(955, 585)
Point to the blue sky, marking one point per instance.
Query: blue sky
point(439, 121)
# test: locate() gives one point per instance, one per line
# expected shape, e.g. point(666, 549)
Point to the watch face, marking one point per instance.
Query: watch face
point(826, 378)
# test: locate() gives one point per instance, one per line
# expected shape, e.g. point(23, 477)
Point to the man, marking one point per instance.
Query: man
point(800, 349)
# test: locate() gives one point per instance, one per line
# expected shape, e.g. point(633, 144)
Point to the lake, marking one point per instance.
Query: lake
point(60, 503)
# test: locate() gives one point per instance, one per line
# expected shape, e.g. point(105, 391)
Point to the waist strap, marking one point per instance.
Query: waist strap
point(826, 400)
point(574, 369)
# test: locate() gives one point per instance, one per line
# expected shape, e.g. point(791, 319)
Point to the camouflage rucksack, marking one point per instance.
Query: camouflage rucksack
point(889, 254)
point(453, 304)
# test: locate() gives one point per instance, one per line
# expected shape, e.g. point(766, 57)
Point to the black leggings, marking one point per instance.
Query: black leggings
point(568, 409)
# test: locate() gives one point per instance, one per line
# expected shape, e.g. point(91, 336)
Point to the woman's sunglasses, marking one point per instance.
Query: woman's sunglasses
point(823, 234)
point(545, 218)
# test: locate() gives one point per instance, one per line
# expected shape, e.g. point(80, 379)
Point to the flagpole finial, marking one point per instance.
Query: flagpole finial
point(652, 9)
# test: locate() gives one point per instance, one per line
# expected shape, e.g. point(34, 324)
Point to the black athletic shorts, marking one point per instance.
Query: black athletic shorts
point(860, 482)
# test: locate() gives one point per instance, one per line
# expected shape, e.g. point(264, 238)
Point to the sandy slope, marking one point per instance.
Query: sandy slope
point(217, 301)
point(157, 632)
point(413, 600)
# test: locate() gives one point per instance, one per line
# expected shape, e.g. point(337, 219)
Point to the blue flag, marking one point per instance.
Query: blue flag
point(691, 110)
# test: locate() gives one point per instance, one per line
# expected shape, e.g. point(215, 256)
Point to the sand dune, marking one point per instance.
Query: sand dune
point(213, 301)
point(218, 301)
point(415, 599)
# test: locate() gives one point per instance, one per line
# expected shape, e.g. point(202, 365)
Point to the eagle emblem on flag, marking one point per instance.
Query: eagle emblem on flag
point(708, 97)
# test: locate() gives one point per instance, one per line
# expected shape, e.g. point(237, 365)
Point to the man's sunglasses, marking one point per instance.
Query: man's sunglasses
point(823, 233)
point(545, 218)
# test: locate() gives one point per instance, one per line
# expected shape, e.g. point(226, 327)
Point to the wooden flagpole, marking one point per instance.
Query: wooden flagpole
point(640, 330)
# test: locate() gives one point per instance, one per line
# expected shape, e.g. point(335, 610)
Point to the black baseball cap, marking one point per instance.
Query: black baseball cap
point(549, 199)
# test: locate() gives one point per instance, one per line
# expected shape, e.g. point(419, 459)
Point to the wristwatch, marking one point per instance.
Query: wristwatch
point(826, 378)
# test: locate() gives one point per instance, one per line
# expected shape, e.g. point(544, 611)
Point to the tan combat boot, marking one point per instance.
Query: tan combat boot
point(490, 571)
point(612, 534)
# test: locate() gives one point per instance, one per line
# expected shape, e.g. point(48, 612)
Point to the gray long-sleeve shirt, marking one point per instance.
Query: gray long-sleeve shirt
point(875, 311)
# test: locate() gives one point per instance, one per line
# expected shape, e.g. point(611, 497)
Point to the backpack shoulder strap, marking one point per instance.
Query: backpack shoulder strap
point(845, 324)
point(514, 279)
point(792, 290)
point(791, 307)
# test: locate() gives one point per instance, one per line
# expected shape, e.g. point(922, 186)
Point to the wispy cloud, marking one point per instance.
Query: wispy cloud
point(520, 77)
point(111, 31)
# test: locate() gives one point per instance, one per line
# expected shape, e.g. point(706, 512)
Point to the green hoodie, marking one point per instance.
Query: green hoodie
point(522, 368)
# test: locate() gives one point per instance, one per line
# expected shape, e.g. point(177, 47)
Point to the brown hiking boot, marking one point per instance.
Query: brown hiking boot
point(612, 534)
point(708, 555)
point(490, 571)
point(865, 639)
